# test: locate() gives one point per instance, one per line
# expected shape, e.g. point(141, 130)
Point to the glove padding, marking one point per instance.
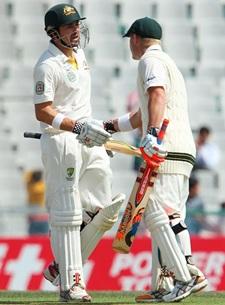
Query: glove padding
point(152, 148)
point(92, 133)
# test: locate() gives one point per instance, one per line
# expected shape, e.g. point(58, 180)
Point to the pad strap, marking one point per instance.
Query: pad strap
point(181, 226)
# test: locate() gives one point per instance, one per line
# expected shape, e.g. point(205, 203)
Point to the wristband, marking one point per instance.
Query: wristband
point(124, 123)
point(58, 120)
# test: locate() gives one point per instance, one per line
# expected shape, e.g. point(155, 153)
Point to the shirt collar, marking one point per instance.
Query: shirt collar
point(57, 52)
point(155, 47)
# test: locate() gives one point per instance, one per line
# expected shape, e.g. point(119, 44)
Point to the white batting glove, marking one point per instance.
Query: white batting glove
point(92, 133)
point(151, 147)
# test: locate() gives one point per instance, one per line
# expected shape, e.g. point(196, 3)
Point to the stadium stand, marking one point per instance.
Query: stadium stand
point(206, 11)
point(212, 57)
point(213, 30)
point(131, 10)
point(193, 36)
point(171, 10)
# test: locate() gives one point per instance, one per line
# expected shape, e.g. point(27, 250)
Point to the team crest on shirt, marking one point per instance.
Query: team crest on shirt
point(70, 173)
point(39, 88)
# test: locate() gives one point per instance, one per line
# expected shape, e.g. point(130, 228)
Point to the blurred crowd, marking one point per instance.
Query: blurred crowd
point(37, 220)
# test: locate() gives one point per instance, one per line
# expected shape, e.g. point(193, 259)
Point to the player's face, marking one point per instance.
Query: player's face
point(134, 46)
point(70, 34)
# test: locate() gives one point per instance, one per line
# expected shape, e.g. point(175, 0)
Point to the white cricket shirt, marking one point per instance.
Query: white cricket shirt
point(67, 88)
point(151, 73)
point(156, 68)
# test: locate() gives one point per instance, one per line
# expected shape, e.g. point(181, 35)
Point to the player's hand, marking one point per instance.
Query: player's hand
point(152, 148)
point(92, 133)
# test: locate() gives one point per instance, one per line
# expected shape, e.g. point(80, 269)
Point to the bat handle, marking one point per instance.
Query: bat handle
point(160, 137)
point(162, 131)
point(34, 135)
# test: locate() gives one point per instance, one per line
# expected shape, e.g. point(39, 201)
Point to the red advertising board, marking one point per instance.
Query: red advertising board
point(22, 261)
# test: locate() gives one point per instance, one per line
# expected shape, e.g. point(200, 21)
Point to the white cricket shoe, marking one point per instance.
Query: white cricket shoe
point(200, 282)
point(51, 273)
point(180, 291)
point(75, 294)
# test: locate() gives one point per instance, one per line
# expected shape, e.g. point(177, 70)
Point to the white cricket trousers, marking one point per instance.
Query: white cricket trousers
point(69, 164)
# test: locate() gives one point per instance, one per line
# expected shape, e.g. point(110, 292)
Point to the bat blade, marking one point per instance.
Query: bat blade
point(113, 145)
point(123, 147)
point(135, 208)
point(138, 200)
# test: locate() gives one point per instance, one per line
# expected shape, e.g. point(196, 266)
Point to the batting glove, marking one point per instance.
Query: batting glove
point(109, 126)
point(151, 147)
point(91, 133)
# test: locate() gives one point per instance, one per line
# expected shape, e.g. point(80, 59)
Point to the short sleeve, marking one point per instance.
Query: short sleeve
point(44, 84)
point(152, 72)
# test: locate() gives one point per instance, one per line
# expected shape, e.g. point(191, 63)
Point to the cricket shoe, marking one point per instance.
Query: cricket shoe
point(180, 291)
point(75, 294)
point(153, 296)
point(51, 273)
point(200, 281)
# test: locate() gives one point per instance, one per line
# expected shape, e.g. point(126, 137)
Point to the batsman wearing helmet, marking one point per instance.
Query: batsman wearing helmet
point(162, 94)
point(77, 169)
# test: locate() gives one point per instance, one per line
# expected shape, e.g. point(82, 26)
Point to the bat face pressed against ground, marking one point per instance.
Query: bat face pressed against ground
point(137, 202)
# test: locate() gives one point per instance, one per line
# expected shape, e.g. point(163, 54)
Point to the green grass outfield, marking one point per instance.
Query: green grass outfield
point(103, 297)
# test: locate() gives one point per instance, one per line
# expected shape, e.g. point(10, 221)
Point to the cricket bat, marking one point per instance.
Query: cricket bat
point(113, 145)
point(123, 147)
point(138, 199)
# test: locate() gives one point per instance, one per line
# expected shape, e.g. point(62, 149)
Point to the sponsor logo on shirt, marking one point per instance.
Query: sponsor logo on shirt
point(71, 74)
point(150, 78)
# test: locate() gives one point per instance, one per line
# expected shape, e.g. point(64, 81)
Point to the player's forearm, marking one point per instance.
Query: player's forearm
point(135, 119)
point(47, 114)
point(126, 122)
point(156, 107)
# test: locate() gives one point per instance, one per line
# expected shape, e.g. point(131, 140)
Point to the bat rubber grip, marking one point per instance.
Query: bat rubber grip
point(33, 135)
point(160, 137)
point(162, 131)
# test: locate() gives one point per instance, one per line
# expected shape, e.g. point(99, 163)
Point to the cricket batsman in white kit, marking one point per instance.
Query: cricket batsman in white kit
point(77, 169)
point(162, 94)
